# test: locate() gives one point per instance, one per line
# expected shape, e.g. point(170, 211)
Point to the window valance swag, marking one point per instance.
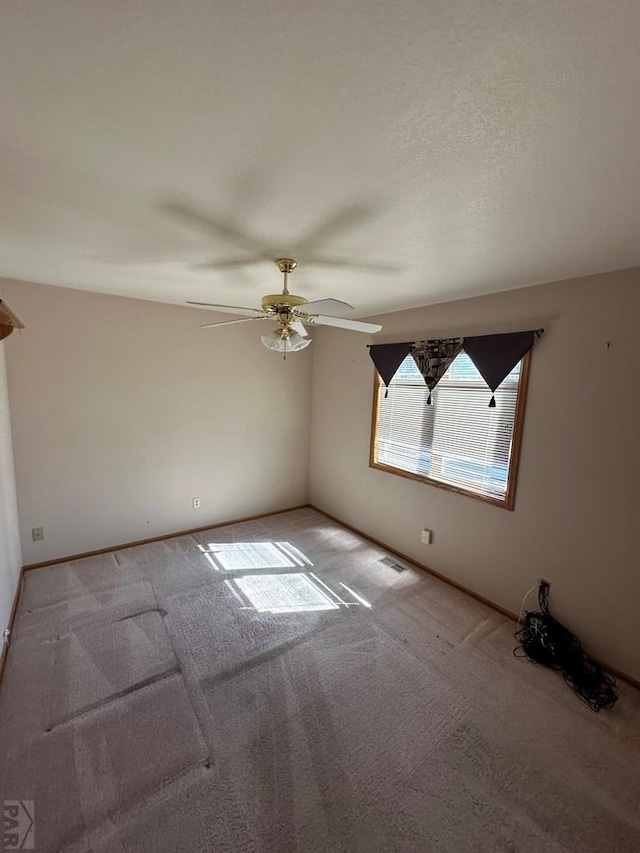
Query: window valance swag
point(433, 359)
point(494, 356)
point(388, 358)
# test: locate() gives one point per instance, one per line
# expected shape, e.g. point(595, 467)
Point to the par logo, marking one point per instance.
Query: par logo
point(17, 825)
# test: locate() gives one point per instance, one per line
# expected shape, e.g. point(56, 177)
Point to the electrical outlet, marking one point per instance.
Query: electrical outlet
point(37, 534)
point(6, 635)
point(427, 536)
point(196, 503)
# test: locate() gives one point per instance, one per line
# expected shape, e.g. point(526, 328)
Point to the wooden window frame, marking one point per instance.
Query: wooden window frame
point(509, 499)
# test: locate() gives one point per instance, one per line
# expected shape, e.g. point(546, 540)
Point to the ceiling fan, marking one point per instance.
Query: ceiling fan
point(292, 313)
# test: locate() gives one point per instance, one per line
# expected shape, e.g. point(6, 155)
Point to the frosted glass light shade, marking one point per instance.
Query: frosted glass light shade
point(293, 343)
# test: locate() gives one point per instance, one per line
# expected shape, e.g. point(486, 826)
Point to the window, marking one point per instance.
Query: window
point(458, 442)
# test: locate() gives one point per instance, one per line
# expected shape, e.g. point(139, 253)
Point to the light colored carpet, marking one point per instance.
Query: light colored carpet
point(290, 692)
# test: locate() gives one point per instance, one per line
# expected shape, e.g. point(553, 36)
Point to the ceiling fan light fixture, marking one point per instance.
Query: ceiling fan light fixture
point(291, 312)
point(297, 342)
point(285, 343)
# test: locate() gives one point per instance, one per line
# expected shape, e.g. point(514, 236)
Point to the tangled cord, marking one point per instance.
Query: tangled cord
point(544, 640)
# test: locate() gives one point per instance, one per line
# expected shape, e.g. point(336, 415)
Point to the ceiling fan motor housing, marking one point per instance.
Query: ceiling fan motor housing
point(284, 300)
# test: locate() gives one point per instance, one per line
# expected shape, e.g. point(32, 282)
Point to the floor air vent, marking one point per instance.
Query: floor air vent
point(389, 561)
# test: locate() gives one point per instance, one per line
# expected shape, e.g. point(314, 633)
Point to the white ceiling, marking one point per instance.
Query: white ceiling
point(463, 147)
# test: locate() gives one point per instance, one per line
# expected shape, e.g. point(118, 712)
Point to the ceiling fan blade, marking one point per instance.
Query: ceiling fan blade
point(327, 307)
point(138, 260)
point(231, 322)
point(209, 223)
point(227, 309)
point(254, 260)
point(298, 327)
point(341, 323)
point(335, 224)
point(338, 263)
point(228, 263)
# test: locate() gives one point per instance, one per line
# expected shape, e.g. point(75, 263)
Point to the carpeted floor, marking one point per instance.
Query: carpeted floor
point(275, 686)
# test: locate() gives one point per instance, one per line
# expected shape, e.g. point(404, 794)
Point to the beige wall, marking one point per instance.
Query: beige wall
point(124, 410)
point(10, 557)
point(576, 503)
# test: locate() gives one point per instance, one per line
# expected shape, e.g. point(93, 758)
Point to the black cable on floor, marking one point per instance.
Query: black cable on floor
point(542, 639)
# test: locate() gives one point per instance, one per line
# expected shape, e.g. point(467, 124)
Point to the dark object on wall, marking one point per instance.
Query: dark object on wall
point(8, 321)
point(544, 640)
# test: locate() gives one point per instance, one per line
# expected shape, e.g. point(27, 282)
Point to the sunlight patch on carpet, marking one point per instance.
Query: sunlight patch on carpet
point(284, 593)
point(243, 556)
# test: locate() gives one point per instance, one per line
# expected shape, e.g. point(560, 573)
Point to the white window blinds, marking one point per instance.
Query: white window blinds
point(458, 440)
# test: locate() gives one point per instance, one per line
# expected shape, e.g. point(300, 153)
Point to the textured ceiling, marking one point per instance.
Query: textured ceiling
point(446, 148)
